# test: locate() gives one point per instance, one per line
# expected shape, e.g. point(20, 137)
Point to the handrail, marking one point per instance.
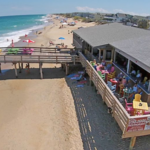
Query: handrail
point(39, 58)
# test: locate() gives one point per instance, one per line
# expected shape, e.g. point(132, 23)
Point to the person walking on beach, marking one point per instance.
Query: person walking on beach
point(27, 68)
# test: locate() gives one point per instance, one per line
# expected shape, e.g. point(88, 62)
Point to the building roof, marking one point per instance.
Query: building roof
point(132, 41)
point(108, 33)
point(121, 15)
point(136, 48)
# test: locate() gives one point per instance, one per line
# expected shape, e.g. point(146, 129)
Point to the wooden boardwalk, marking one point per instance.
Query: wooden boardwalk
point(40, 55)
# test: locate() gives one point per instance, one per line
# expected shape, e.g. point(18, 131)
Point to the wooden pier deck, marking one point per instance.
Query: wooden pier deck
point(40, 55)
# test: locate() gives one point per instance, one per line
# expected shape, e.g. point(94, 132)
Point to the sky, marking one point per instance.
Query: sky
point(23, 7)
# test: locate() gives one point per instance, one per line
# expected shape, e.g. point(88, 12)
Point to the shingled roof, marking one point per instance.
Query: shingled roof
point(136, 48)
point(108, 33)
point(133, 41)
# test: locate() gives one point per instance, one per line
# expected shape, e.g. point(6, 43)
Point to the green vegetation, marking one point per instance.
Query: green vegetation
point(143, 23)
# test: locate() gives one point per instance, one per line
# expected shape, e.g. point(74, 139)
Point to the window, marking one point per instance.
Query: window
point(108, 54)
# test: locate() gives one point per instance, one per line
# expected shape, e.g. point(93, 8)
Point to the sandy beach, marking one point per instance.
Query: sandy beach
point(39, 114)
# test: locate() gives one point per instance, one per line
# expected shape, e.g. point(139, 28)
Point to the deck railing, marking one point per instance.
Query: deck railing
point(42, 49)
point(124, 120)
point(39, 58)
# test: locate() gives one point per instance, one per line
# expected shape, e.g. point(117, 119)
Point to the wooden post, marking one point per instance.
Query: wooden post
point(132, 142)
point(22, 65)
point(100, 55)
point(62, 66)
point(67, 69)
point(19, 67)
point(128, 66)
point(0, 68)
point(16, 70)
point(41, 73)
point(74, 62)
point(104, 93)
point(114, 56)
point(90, 76)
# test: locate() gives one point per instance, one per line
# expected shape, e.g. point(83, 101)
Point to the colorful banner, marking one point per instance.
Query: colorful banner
point(138, 124)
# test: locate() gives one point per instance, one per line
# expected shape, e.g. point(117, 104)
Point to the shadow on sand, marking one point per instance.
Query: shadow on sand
point(48, 73)
point(99, 130)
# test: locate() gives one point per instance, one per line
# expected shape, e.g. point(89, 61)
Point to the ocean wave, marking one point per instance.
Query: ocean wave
point(7, 38)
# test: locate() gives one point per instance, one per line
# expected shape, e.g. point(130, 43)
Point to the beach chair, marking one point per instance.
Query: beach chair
point(13, 50)
point(137, 98)
point(129, 107)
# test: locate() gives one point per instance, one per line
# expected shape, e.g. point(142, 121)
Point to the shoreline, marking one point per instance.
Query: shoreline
point(35, 113)
point(50, 32)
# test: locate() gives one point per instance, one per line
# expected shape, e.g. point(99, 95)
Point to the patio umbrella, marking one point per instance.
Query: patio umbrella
point(61, 38)
point(29, 41)
point(29, 50)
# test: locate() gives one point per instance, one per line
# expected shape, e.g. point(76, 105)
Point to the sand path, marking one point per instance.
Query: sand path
point(38, 115)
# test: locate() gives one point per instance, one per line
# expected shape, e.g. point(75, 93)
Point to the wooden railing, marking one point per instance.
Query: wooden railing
point(119, 113)
point(43, 49)
point(39, 58)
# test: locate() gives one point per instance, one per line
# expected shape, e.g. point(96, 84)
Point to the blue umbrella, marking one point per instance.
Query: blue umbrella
point(61, 38)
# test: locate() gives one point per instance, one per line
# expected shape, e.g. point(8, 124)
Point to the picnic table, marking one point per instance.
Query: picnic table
point(139, 107)
point(13, 50)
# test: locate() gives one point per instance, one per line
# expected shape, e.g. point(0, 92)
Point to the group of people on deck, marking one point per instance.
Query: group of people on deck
point(102, 66)
point(126, 83)
point(122, 80)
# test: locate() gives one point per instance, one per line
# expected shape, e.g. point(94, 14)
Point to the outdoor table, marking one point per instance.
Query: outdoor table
point(113, 81)
point(127, 91)
point(139, 106)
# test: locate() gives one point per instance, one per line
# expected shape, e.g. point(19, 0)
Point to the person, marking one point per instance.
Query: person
point(98, 67)
point(112, 69)
point(7, 40)
point(51, 43)
point(27, 68)
point(120, 75)
point(124, 80)
point(103, 63)
point(128, 84)
point(133, 72)
point(135, 90)
point(139, 77)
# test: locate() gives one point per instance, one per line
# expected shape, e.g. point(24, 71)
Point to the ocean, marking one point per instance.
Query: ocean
point(12, 27)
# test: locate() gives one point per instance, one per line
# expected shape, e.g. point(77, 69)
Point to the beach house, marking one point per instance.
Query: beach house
point(126, 46)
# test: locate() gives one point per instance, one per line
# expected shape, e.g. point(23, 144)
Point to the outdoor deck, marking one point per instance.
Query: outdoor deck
point(128, 124)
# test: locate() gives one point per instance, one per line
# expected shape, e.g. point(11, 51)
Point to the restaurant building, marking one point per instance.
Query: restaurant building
point(128, 47)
